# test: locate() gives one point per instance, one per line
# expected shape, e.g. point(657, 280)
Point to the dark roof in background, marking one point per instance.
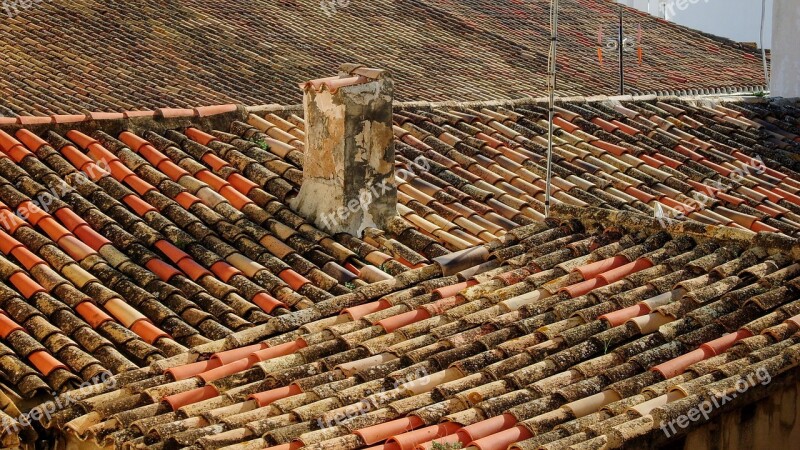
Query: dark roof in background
point(187, 249)
point(67, 57)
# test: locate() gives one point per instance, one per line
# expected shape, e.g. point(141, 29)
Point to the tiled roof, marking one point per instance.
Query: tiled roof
point(162, 250)
point(511, 353)
point(111, 56)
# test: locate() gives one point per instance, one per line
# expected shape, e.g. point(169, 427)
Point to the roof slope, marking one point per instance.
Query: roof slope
point(521, 353)
point(159, 247)
point(112, 56)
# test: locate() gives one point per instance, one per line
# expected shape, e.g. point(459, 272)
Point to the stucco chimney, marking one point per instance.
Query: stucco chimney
point(348, 174)
point(785, 77)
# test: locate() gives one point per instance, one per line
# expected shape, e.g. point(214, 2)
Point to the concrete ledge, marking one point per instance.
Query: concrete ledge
point(274, 108)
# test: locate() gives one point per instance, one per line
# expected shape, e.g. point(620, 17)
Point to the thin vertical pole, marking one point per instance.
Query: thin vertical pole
point(552, 67)
point(621, 60)
point(761, 44)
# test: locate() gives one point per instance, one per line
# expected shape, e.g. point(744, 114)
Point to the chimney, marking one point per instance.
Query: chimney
point(348, 174)
point(785, 78)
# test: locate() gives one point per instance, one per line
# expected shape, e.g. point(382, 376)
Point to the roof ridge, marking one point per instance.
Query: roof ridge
point(521, 101)
point(198, 112)
point(114, 122)
point(166, 113)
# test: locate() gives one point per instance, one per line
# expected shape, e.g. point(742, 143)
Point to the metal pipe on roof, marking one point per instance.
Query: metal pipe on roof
point(621, 48)
point(761, 43)
point(551, 88)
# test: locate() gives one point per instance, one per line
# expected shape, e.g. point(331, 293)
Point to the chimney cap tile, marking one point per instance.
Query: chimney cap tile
point(333, 84)
point(349, 75)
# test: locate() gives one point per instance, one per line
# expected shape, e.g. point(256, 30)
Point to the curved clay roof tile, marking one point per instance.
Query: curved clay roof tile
point(176, 401)
point(487, 427)
point(377, 433)
point(410, 439)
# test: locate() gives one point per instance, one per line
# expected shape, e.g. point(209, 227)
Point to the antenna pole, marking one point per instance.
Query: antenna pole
point(761, 44)
point(551, 87)
point(621, 59)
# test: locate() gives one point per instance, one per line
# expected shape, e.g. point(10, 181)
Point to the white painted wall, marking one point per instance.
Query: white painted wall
point(785, 80)
point(739, 20)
